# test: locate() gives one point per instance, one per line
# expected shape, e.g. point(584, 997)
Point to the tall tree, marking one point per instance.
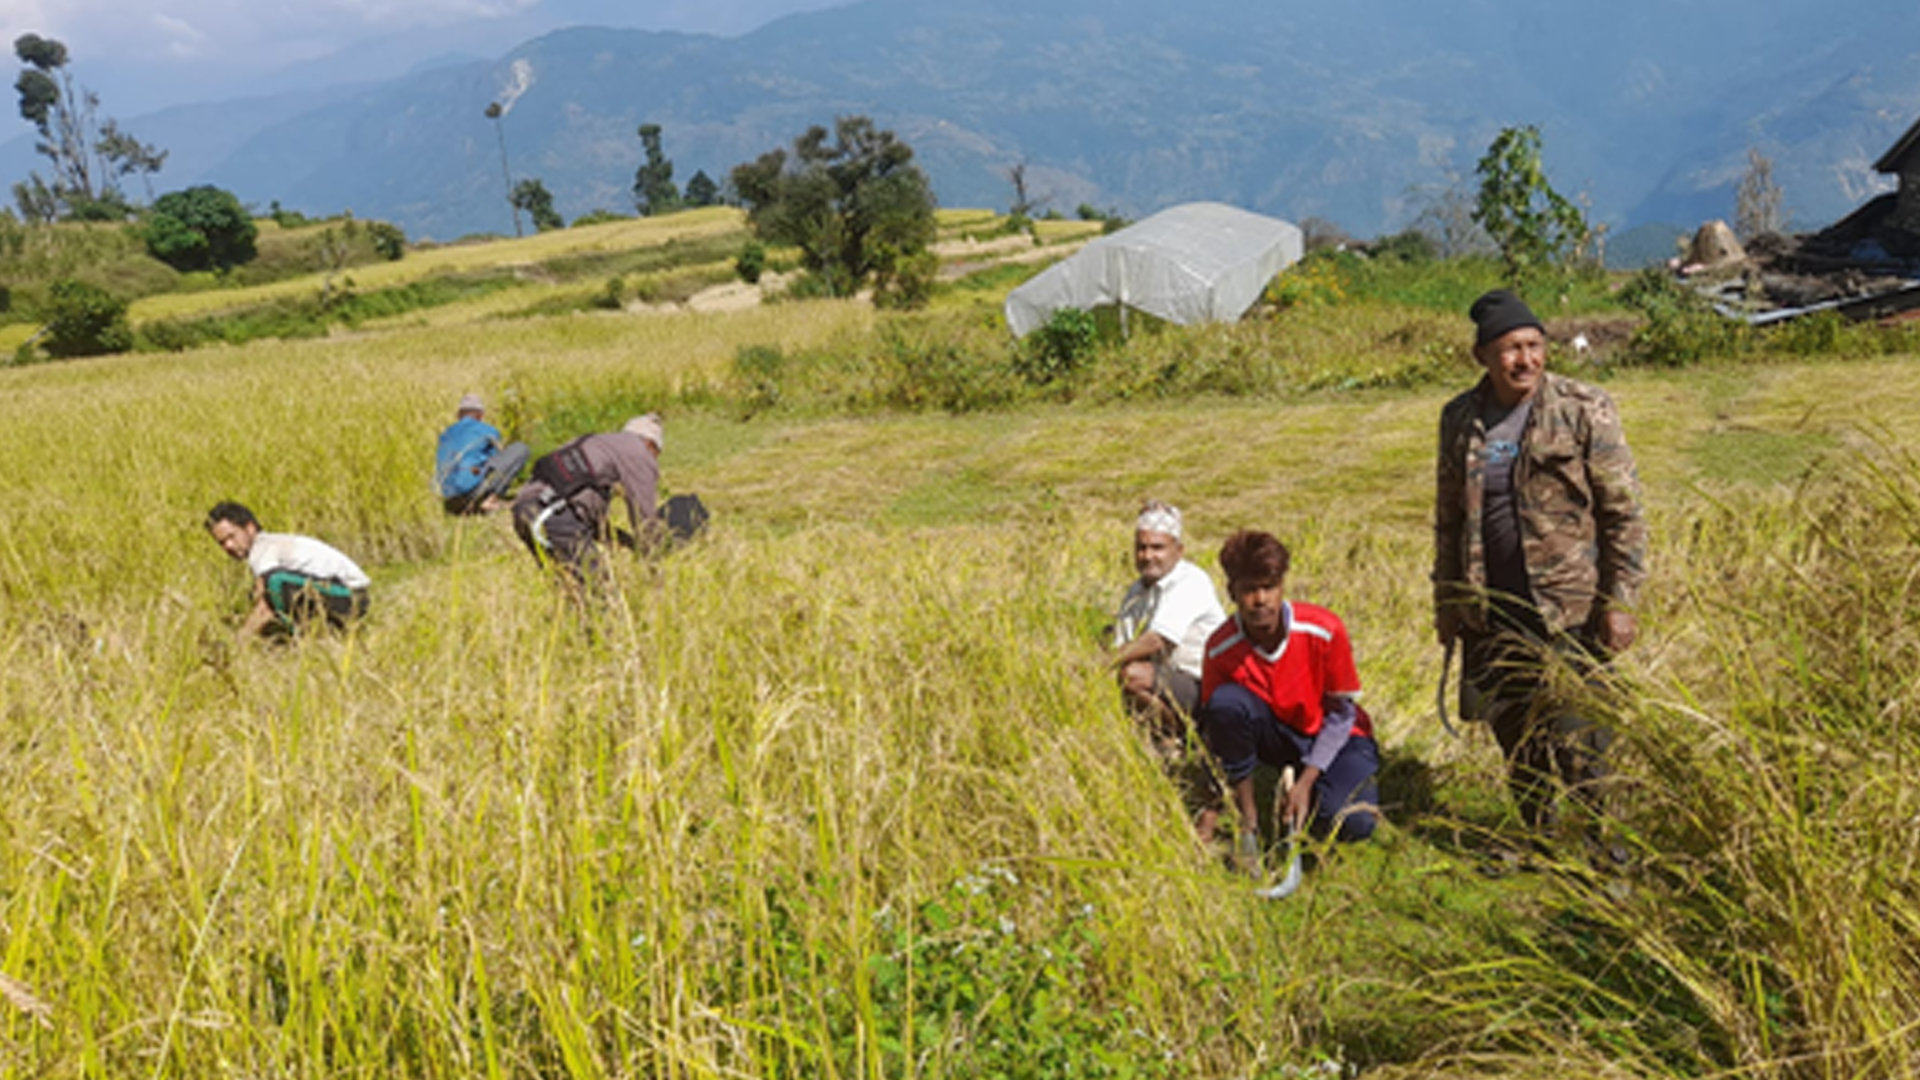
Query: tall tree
point(1024, 200)
point(88, 158)
point(532, 196)
point(495, 111)
point(653, 189)
point(702, 191)
point(1536, 227)
point(851, 200)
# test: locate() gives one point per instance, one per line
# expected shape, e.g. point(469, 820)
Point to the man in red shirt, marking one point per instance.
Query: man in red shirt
point(1278, 686)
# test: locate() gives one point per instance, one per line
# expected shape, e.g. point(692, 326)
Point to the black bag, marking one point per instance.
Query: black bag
point(566, 470)
point(685, 517)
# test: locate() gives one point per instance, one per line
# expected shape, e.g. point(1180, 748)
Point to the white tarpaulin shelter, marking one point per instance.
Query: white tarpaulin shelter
point(1186, 264)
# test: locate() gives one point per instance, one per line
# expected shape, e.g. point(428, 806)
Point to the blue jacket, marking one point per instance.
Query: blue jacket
point(462, 456)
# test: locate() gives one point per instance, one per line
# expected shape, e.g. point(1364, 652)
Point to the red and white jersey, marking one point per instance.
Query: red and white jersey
point(1314, 661)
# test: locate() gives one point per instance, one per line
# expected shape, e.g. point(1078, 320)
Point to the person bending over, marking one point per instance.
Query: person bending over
point(473, 468)
point(297, 580)
point(561, 513)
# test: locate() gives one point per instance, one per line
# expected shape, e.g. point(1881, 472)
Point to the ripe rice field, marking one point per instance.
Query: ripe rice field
point(844, 789)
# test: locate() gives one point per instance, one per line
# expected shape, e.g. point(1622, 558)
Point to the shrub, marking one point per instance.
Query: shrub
point(176, 243)
point(286, 219)
point(201, 228)
point(600, 217)
point(905, 282)
point(1681, 328)
point(1407, 246)
point(387, 239)
point(613, 296)
point(1059, 348)
point(752, 262)
point(757, 371)
point(936, 368)
point(85, 321)
point(1315, 281)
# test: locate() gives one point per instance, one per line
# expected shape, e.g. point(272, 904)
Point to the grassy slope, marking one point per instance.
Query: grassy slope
point(462, 841)
point(611, 236)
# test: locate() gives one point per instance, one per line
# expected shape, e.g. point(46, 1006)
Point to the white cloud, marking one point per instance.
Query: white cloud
point(250, 33)
point(146, 54)
point(182, 39)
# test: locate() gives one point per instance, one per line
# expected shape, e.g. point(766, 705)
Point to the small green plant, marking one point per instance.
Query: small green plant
point(1407, 246)
point(1058, 349)
point(1318, 280)
point(1681, 328)
point(613, 296)
point(757, 371)
point(904, 282)
point(752, 262)
point(935, 369)
point(976, 978)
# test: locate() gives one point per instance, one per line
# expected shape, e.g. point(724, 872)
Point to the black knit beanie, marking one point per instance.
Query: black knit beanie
point(1498, 312)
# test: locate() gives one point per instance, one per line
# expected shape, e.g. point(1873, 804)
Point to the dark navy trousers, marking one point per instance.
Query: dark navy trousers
point(1241, 731)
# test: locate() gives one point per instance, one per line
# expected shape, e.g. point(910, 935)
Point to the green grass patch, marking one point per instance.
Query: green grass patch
point(315, 316)
point(1759, 456)
point(949, 499)
point(670, 254)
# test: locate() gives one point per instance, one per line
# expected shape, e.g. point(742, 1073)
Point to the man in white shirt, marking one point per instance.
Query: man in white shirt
point(1160, 635)
point(297, 580)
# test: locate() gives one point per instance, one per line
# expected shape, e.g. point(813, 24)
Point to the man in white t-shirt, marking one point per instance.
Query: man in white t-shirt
point(297, 580)
point(1160, 635)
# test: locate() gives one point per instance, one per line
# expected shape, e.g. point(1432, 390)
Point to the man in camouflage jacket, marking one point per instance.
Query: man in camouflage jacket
point(1539, 551)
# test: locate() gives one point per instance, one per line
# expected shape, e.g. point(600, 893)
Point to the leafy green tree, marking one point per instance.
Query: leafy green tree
point(653, 189)
point(533, 197)
point(1537, 229)
point(702, 191)
point(83, 320)
point(388, 239)
point(851, 200)
point(200, 228)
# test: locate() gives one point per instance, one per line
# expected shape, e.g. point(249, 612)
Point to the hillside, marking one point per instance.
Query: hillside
point(1291, 109)
point(843, 788)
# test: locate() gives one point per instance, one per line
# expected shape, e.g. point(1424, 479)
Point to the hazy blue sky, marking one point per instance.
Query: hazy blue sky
point(140, 55)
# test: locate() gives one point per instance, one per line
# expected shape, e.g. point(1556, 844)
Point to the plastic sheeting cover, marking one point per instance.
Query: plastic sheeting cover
point(1192, 263)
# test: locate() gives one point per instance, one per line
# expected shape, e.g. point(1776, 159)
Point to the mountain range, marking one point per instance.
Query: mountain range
point(1358, 112)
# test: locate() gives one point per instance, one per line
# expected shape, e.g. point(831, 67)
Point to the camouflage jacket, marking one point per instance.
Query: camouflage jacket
point(1579, 506)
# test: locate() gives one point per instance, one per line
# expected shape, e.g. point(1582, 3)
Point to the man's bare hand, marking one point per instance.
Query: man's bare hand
point(1618, 629)
point(1300, 798)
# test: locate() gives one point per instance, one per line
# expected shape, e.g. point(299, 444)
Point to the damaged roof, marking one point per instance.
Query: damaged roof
point(1890, 161)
